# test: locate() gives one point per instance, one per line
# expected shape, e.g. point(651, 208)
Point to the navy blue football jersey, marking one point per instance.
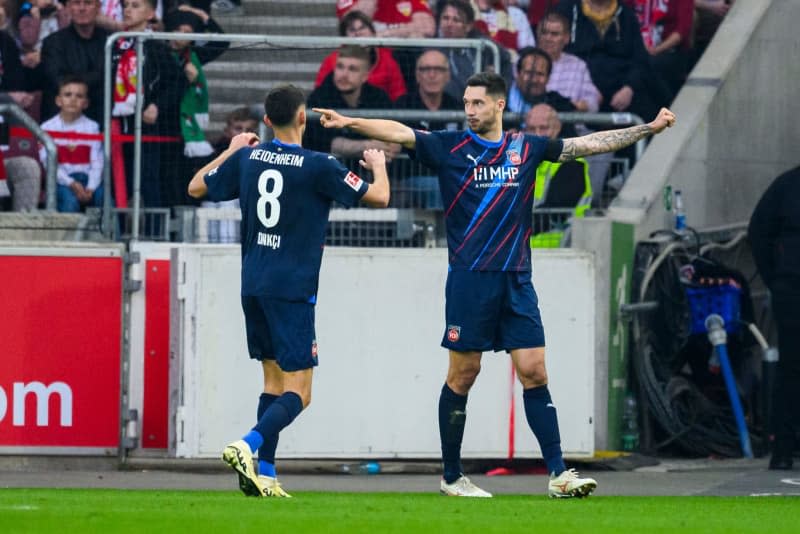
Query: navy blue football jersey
point(487, 191)
point(285, 192)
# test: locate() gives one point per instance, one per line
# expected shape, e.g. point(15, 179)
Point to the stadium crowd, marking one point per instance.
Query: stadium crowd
point(574, 55)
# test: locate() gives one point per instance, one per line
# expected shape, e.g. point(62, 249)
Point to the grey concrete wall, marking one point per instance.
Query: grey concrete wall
point(737, 129)
point(593, 234)
point(48, 226)
point(737, 124)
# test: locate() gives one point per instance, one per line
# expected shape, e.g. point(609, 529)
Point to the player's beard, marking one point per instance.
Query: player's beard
point(484, 127)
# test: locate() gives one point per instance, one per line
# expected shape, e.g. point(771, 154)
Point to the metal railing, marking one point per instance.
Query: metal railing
point(130, 220)
point(51, 168)
point(275, 40)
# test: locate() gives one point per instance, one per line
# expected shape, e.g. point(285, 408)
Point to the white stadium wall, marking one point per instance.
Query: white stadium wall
point(380, 318)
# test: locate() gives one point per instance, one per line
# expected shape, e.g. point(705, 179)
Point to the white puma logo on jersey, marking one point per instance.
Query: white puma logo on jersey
point(473, 159)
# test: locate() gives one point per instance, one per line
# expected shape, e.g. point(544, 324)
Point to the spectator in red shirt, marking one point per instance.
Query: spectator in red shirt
point(384, 74)
point(537, 9)
point(494, 19)
point(392, 18)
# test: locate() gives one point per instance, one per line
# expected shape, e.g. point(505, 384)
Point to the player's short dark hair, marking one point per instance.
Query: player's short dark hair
point(464, 7)
point(352, 16)
point(282, 103)
point(535, 51)
point(494, 83)
point(72, 78)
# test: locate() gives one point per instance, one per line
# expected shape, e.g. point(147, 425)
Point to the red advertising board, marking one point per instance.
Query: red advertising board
point(155, 409)
point(60, 367)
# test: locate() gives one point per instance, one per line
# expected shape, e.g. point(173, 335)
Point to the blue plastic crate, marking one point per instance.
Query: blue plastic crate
point(724, 300)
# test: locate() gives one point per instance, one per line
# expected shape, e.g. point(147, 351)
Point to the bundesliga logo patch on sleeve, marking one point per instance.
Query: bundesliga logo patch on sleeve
point(353, 180)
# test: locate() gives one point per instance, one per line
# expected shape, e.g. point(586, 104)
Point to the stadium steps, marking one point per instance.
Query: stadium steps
point(243, 75)
point(279, 25)
point(308, 8)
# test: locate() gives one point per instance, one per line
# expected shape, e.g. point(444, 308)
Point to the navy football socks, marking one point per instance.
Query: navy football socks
point(266, 453)
point(542, 419)
point(281, 412)
point(452, 417)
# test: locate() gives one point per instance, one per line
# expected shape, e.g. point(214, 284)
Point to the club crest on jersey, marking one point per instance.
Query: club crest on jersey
point(453, 333)
point(404, 8)
point(353, 180)
point(513, 157)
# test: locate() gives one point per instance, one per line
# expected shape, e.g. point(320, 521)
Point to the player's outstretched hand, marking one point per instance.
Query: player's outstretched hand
point(373, 158)
point(243, 140)
point(330, 119)
point(665, 119)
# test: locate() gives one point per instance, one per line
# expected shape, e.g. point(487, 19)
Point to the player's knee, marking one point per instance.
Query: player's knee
point(533, 376)
point(464, 378)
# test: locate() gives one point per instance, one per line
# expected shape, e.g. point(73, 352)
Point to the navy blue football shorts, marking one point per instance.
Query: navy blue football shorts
point(282, 331)
point(491, 310)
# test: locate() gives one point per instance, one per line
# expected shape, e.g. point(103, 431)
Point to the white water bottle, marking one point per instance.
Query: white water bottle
point(680, 214)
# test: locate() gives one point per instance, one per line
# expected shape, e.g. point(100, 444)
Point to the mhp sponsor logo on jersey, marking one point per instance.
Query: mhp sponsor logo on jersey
point(41, 393)
point(495, 176)
point(353, 180)
point(453, 333)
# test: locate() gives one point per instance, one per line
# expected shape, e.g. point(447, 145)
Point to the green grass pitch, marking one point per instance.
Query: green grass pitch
point(66, 510)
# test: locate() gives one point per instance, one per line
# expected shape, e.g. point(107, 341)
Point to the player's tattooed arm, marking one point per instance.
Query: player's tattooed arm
point(612, 140)
point(601, 142)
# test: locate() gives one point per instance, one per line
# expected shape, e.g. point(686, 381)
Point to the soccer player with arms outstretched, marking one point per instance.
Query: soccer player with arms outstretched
point(486, 177)
point(285, 193)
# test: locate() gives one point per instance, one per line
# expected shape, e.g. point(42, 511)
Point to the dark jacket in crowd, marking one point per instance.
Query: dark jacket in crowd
point(12, 77)
point(328, 96)
point(164, 85)
point(206, 51)
point(414, 101)
point(618, 58)
point(66, 52)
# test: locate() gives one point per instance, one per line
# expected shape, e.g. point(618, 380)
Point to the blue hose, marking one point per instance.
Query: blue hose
point(715, 326)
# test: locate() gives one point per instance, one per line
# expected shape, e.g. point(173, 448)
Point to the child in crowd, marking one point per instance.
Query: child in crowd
point(80, 161)
point(240, 120)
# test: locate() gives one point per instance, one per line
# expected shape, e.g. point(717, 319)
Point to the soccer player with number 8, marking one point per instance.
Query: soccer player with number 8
point(285, 192)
